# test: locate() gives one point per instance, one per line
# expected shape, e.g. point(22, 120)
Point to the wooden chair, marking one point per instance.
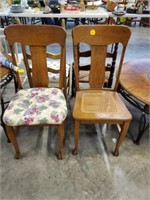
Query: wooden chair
point(40, 105)
point(98, 104)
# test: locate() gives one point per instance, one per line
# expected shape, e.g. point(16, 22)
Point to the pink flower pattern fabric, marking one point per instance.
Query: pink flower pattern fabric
point(36, 106)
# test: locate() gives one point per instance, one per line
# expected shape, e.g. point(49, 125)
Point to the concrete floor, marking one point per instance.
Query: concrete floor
point(95, 174)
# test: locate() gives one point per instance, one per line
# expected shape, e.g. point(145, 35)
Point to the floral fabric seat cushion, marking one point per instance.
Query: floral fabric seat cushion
point(36, 106)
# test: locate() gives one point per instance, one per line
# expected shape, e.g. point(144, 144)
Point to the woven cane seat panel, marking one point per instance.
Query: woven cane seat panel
point(95, 102)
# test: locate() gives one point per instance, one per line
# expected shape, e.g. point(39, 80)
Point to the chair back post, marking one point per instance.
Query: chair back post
point(14, 61)
point(62, 80)
point(119, 68)
point(76, 65)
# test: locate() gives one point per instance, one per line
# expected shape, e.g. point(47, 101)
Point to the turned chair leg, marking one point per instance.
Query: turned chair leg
point(13, 139)
point(76, 137)
point(60, 140)
point(122, 135)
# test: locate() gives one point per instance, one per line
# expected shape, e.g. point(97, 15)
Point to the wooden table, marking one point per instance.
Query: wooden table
point(135, 87)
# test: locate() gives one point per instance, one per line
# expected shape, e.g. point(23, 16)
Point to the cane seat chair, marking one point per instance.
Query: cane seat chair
point(97, 104)
point(39, 105)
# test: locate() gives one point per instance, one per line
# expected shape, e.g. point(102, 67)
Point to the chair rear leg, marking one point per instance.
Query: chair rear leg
point(60, 140)
point(76, 137)
point(122, 135)
point(13, 139)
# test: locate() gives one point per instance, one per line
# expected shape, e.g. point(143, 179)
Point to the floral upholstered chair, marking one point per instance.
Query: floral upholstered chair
point(39, 105)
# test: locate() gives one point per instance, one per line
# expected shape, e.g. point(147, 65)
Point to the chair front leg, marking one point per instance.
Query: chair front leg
point(76, 137)
point(13, 139)
point(123, 132)
point(60, 140)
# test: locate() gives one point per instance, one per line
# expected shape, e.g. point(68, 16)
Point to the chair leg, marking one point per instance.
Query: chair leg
point(60, 140)
point(76, 137)
point(13, 139)
point(122, 135)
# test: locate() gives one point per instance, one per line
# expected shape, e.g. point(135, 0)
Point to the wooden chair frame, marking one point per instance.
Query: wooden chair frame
point(45, 35)
point(98, 104)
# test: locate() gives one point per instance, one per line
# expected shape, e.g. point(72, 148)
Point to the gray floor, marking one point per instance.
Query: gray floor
point(92, 175)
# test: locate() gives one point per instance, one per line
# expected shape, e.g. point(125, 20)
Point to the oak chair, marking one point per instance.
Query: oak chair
point(40, 105)
point(97, 104)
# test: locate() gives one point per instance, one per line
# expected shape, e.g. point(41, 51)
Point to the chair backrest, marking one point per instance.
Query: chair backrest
point(84, 63)
point(35, 40)
point(100, 39)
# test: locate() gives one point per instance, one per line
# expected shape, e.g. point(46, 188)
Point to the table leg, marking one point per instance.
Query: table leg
point(2, 123)
point(143, 126)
